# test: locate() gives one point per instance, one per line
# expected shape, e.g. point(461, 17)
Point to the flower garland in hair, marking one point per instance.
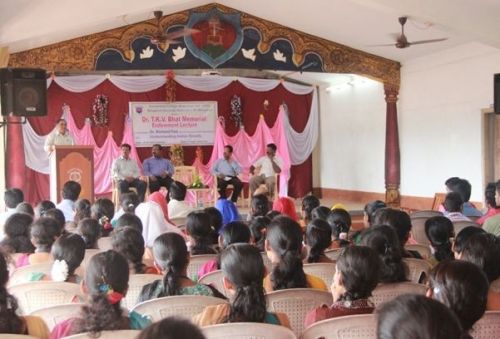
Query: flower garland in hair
point(100, 109)
point(59, 270)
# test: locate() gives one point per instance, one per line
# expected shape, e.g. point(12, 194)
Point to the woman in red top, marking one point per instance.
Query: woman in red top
point(355, 278)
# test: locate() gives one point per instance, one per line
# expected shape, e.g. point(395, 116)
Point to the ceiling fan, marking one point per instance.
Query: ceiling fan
point(402, 41)
point(161, 37)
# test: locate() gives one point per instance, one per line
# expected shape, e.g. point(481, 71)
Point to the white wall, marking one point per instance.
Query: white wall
point(350, 152)
point(439, 109)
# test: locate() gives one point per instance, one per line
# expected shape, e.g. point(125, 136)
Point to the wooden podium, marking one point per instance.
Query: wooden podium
point(72, 163)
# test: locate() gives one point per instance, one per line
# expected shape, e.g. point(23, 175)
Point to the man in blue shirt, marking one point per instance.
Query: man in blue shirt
point(227, 171)
point(158, 169)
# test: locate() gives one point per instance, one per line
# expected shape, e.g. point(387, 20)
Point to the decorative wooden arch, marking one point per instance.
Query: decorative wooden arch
point(80, 54)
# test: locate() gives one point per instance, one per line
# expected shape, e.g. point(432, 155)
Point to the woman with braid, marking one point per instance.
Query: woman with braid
point(106, 284)
point(244, 285)
point(172, 258)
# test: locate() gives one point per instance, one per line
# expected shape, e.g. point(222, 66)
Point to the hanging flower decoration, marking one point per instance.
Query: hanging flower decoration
point(100, 109)
point(177, 155)
point(236, 111)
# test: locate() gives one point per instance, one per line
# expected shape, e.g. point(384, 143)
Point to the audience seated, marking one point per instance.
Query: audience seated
point(42, 207)
point(259, 206)
point(130, 220)
point(384, 240)
point(128, 203)
point(10, 322)
point(453, 206)
point(286, 206)
point(17, 234)
point(171, 328)
point(318, 238)
point(43, 232)
point(461, 286)
point(417, 317)
point(177, 207)
point(103, 211)
point(25, 208)
point(232, 233)
point(355, 278)
point(272, 214)
point(339, 221)
point(258, 227)
point(284, 249)
point(244, 283)
point(12, 198)
point(492, 224)
point(462, 237)
point(320, 212)
point(129, 242)
point(439, 231)
point(154, 218)
point(463, 188)
point(216, 224)
point(228, 210)
point(70, 192)
point(401, 223)
point(483, 250)
point(309, 203)
point(90, 231)
point(58, 216)
point(106, 283)
point(68, 252)
point(172, 257)
point(82, 211)
point(199, 232)
point(490, 194)
point(369, 211)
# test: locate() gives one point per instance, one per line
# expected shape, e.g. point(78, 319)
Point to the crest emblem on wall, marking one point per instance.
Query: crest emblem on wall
point(220, 37)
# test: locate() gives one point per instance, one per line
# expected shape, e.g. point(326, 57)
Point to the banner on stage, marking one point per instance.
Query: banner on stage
point(169, 123)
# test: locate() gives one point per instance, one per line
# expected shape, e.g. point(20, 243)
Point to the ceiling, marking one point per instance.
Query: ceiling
point(26, 24)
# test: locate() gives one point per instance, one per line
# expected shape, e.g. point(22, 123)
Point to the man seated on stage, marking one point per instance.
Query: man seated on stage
point(159, 170)
point(70, 193)
point(227, 170)
point(59, 136)
point(126, 172)
point(177, 207)
point(268, 166)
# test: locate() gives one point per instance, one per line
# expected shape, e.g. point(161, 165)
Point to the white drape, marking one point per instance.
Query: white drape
point(301, 145)
point(35, 156)
point(137, 84)
point(208, 83)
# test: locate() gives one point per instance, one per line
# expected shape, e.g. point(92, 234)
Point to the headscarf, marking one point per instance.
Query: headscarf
point(228, 210)
point(153, 222)
point(159, 198)
point(286, 206)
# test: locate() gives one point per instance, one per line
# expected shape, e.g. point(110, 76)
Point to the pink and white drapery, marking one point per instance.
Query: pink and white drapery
point(300, 144)
point(248, 148)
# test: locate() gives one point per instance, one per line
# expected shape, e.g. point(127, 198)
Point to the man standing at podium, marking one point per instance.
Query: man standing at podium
point(159, 170)
point(126, 172)
point(59, 136)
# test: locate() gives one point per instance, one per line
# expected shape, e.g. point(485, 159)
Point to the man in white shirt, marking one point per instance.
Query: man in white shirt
point(177, 207)
point(126, 172)
point(70, 193)
point(12, 198)
point(267, 166)
point(59, 136)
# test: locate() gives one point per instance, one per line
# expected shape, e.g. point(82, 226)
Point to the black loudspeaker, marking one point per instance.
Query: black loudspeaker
point(496, 95)
point(23, 91)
